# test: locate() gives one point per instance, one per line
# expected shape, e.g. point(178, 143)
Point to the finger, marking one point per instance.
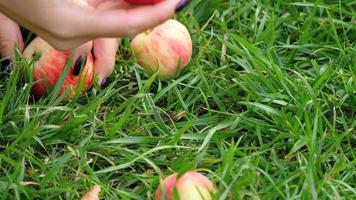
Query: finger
point(10, 37)
point(123, 22)
point(104, 51)
point(80, 57)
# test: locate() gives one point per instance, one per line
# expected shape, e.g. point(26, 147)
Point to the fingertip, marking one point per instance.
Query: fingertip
point(79, 64)
point(104, 82)
point(103, 76)
point(80, 56)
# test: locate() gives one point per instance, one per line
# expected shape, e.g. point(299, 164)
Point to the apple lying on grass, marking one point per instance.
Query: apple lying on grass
point(167, 48)
point(48, 64)
point(142, 2)
point(191, 185)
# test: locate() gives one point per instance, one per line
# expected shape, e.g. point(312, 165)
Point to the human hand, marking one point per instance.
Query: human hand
point(104, 50)
point(65, 24)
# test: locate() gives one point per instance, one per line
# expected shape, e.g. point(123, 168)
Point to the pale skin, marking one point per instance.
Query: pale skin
point(66, 25)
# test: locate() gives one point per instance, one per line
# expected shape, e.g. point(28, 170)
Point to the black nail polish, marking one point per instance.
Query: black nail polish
point(182, 4)
point(104, 83)
point(79, 64)
point(5, 65)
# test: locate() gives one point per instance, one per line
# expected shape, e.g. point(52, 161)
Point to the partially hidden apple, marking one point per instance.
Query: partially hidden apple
point(167, 48)
point(143, 2)
point(190, 186)
point(48, 64)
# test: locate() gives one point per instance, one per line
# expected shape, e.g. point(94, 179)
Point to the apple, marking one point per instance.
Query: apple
point(167, 48)
point(142, 2)
point(191, 185)
point(48, 64)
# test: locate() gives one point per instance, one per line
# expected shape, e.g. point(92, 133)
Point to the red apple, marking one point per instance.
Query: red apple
point(48, 65)
point(167, 48)
point(142, 2)
point(190, 186)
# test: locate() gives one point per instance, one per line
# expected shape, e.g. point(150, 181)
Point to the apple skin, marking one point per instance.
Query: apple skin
point(191, 185)
point(48, 66)
point(166, 48)
point(143, 2)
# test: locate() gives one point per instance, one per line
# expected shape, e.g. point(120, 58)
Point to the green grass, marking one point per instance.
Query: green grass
point(268, 105)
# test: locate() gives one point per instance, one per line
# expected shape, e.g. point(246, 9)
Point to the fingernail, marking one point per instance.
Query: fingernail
point(6, 65)
point(104, 83)
point(81, 62)
point(182, 4)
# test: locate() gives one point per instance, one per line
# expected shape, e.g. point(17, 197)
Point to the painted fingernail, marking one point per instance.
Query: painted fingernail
point(104, 83)
point(79, 64)
point(182, 4)
point(5, 65)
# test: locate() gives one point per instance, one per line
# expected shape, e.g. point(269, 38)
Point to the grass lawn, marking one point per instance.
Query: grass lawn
point(266, 109)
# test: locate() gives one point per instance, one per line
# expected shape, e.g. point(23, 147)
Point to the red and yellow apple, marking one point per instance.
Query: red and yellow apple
point(48, 64)
point(143, 2)
point(191, 185)
point(167, 48)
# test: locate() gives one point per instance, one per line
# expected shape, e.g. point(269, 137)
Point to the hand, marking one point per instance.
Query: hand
point(66, 24)
point(104, 50)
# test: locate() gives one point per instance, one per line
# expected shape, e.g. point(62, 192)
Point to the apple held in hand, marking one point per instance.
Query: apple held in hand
point(48, 65)
point(143, 2)
point(190, 186)
point(167, 48)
